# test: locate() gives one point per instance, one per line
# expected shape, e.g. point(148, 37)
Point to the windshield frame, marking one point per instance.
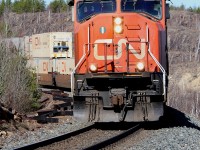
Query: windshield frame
point(80, 4)
point(142, 11)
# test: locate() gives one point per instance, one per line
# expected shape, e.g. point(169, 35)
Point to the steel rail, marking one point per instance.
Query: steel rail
point(115, 138)
point(56, 139)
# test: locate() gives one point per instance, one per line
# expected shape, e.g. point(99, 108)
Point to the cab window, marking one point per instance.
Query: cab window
point(149, 7)
point(88, 9)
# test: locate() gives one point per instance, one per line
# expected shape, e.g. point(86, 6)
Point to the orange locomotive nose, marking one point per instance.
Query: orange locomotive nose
point(121, 60)
point(121, 50)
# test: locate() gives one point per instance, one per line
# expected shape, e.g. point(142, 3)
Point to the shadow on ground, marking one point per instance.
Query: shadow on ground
point(172, 118)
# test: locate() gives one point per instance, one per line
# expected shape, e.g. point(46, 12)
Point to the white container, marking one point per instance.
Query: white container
point(52, 45)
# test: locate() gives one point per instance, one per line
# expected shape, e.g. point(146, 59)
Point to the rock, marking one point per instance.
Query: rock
point(17, 118)
point(43, 99)
point(3, 134)
point(5, 114)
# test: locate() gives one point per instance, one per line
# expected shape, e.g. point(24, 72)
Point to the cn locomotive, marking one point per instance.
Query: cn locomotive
point(121, 60)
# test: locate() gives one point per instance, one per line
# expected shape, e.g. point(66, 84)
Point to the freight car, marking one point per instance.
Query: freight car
point(121, 59)
point(49, 55)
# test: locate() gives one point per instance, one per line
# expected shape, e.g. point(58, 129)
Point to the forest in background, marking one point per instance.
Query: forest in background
point(32, 6)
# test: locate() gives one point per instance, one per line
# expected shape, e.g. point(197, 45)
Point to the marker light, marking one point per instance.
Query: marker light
point(118, 29)
point(118, 20)
point(140, 66)
point(93, 67)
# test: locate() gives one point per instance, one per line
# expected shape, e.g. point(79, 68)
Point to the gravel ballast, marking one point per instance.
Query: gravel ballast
point(178, 138)
point(51, 130)
point(182, 132)
point(184, 135)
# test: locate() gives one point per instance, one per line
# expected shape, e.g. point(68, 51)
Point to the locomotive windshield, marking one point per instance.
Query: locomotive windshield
point(87, 9)
point(150, 7)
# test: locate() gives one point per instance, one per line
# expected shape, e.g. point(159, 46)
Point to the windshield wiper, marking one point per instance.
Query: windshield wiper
point(88, 17)
point(148, 15)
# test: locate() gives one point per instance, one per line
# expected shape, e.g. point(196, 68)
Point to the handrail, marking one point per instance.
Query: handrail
point(161, 68)
point(158, 63)
point(80, 61)
point(74, 70)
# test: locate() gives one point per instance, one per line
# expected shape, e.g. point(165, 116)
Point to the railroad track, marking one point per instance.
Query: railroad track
point(95, 136)
point(114, 139)
point(56, 139)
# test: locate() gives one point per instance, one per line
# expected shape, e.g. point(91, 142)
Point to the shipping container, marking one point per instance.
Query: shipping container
point(50, 57)
point(51, 45)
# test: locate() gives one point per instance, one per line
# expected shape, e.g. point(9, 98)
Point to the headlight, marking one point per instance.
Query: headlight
point(93, 67)
point(140, 66)
point(118, 29)
point(118, 20)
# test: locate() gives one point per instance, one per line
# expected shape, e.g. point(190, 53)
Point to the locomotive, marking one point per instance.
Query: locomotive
point(121, 60)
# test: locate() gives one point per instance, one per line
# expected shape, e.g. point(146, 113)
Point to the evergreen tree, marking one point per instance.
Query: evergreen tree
point(2, 6)
point(198, 10)
point(21, 6)
point(182, 7)
point(18, 6)
point(58, 6)
point(8, 4)
point(38, 5)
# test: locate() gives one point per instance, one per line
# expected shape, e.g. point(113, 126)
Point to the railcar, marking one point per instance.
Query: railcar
point(121, 60)
point(49, 55)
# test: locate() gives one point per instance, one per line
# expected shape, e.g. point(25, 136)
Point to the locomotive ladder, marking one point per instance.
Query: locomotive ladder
point(131, 50)
point(152, 56)
point(128, 49)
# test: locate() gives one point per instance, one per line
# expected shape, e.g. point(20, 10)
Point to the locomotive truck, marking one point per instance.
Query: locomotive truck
point(121, 59)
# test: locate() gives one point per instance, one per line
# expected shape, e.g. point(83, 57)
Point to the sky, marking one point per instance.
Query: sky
point(186, 3)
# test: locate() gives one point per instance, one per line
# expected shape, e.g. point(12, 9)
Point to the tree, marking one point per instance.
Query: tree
point(2, 7)
point(8, 4)
point(38, 5)
point(18, 6)
point(24, 6)
point(18, 88)
point(194, 9)
point(58, 6)
point(198, 10)
point(182, 7)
